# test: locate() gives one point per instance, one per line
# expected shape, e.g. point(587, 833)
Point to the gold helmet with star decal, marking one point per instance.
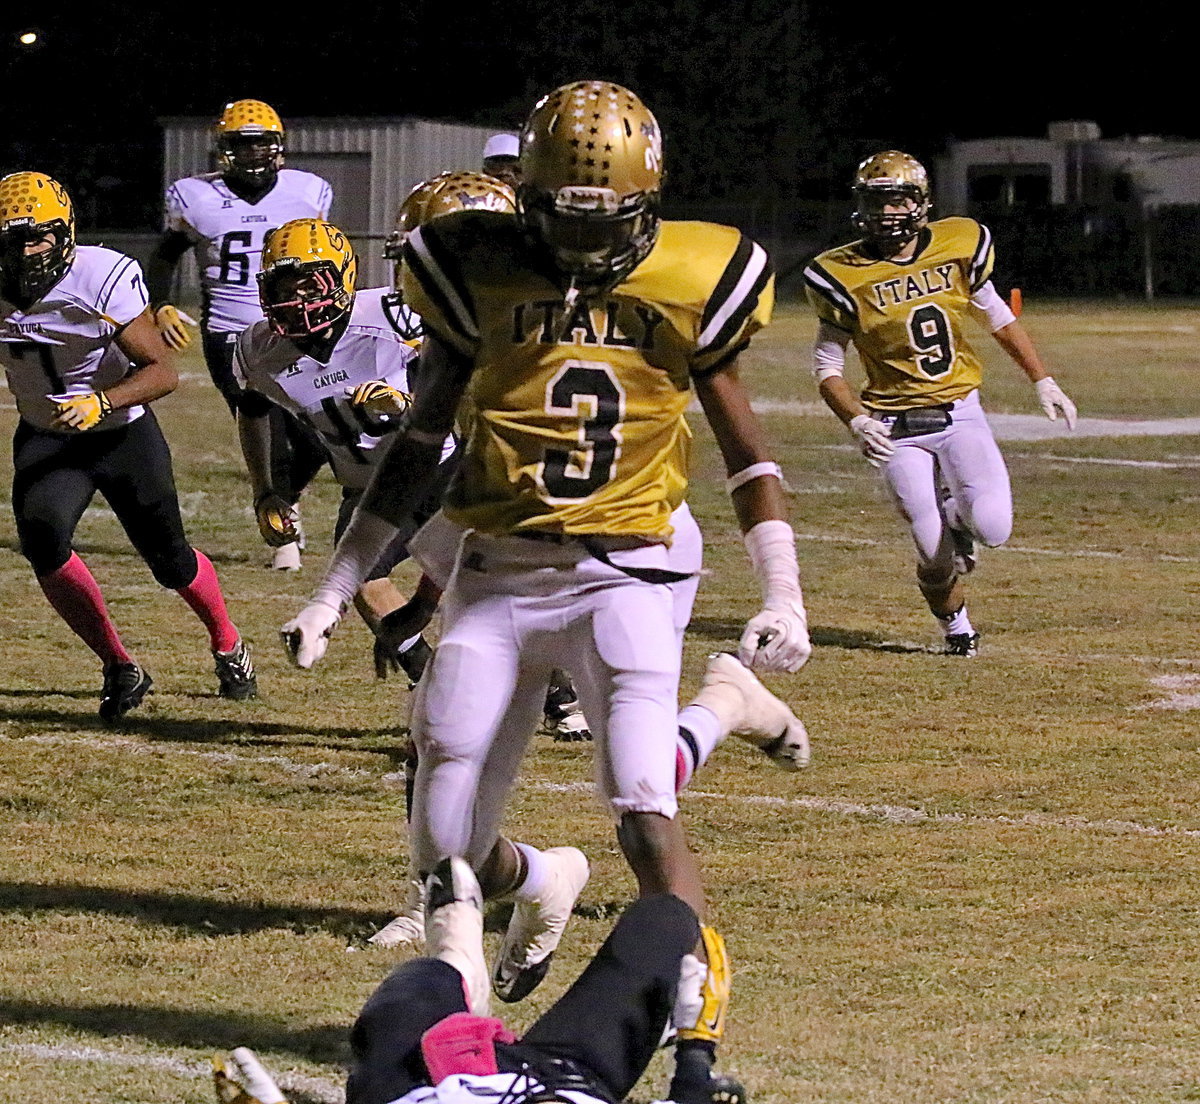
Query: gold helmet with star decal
point(33, 207)
point(591, 168)
point(442, 194)
point(896, 180)
point(249, 141)
point(309, 274)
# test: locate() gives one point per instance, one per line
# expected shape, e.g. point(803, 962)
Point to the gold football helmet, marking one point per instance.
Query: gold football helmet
point(309, 274)
point(37, 234)
point(591, 173)
point(249, 141)
point(442, 194)
point(896, 180)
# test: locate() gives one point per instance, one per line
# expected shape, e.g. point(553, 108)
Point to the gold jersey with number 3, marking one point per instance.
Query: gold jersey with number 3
point(906, 317)
point(577, 410)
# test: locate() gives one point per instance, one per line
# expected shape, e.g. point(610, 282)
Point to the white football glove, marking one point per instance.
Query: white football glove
point(1053, 399)
point(873, 438)
point(306, 636)
point(776, 639)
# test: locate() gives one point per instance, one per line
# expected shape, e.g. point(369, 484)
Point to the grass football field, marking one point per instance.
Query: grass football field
point(984, 889)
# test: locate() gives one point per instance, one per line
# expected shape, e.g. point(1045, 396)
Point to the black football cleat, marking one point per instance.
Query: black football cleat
point(235, 673)
point(125, 685)
point(962, 644)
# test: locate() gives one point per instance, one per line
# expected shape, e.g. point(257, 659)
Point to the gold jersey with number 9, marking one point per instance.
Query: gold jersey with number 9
point(906, 317)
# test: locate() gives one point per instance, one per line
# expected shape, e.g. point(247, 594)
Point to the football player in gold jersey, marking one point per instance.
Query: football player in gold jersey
point(901, 294)
point(576, 332)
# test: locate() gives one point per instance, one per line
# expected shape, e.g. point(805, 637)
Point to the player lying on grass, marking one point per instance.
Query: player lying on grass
point(426, 1034)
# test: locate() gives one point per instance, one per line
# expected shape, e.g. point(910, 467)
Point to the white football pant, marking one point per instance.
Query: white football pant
point(516, 609)
point(966, 459)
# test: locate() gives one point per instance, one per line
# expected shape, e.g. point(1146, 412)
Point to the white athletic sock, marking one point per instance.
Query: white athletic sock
point(706, 732)
point(535, 873)
point(957, 623)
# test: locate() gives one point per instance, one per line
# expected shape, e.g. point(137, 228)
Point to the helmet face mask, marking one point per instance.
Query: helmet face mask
point(308, 279)
point(37, 234)
point(253, 158)
point(249, 143)
point(592, 242)
point(892, 197)
point(591, 164)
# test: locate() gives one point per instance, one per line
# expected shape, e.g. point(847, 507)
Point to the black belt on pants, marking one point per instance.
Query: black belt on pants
point(921, 420)
point(600, 547)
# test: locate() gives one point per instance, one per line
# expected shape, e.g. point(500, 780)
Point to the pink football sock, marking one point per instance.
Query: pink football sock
point(204, 595)
point(76, 598)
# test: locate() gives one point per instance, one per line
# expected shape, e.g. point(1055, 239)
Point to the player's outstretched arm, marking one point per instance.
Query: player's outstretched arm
point(396, 489)
point(1014, 339)
point(775, 639)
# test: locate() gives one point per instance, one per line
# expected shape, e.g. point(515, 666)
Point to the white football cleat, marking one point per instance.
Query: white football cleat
point(454, 927)
point(537, 927)
point(286, 557)
point(746, 708)
point(409, 926)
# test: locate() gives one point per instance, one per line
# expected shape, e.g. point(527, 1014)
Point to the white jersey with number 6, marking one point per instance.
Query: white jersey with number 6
point(63, 343)
point(228, 234)
point(373, 347)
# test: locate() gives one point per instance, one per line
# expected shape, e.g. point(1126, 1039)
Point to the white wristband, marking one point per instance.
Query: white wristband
point(753, 471)
point(772, 549)
point(363, 543)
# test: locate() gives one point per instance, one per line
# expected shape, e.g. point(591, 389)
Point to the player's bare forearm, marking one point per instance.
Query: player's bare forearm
point(400, 481)
point(840, 398)
point(1014, 339)
point(743, 444)
point(154, 372)
point(160, 268)
point(254, 432)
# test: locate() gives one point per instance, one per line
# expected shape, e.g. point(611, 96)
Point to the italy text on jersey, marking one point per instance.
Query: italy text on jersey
point(906, 317)
point(578, 411)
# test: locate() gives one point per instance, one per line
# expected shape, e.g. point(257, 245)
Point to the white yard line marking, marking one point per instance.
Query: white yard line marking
point(1019, 549)
point(896, 814)
point(314, 1087)
point(1111, 461)
point(1183, 692)
point(1021, 427)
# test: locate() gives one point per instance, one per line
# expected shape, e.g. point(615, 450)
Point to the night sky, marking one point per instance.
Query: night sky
point(758, 99)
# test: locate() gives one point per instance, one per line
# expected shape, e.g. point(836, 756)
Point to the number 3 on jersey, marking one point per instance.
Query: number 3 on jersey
point(932, 339)
point(587, 390)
